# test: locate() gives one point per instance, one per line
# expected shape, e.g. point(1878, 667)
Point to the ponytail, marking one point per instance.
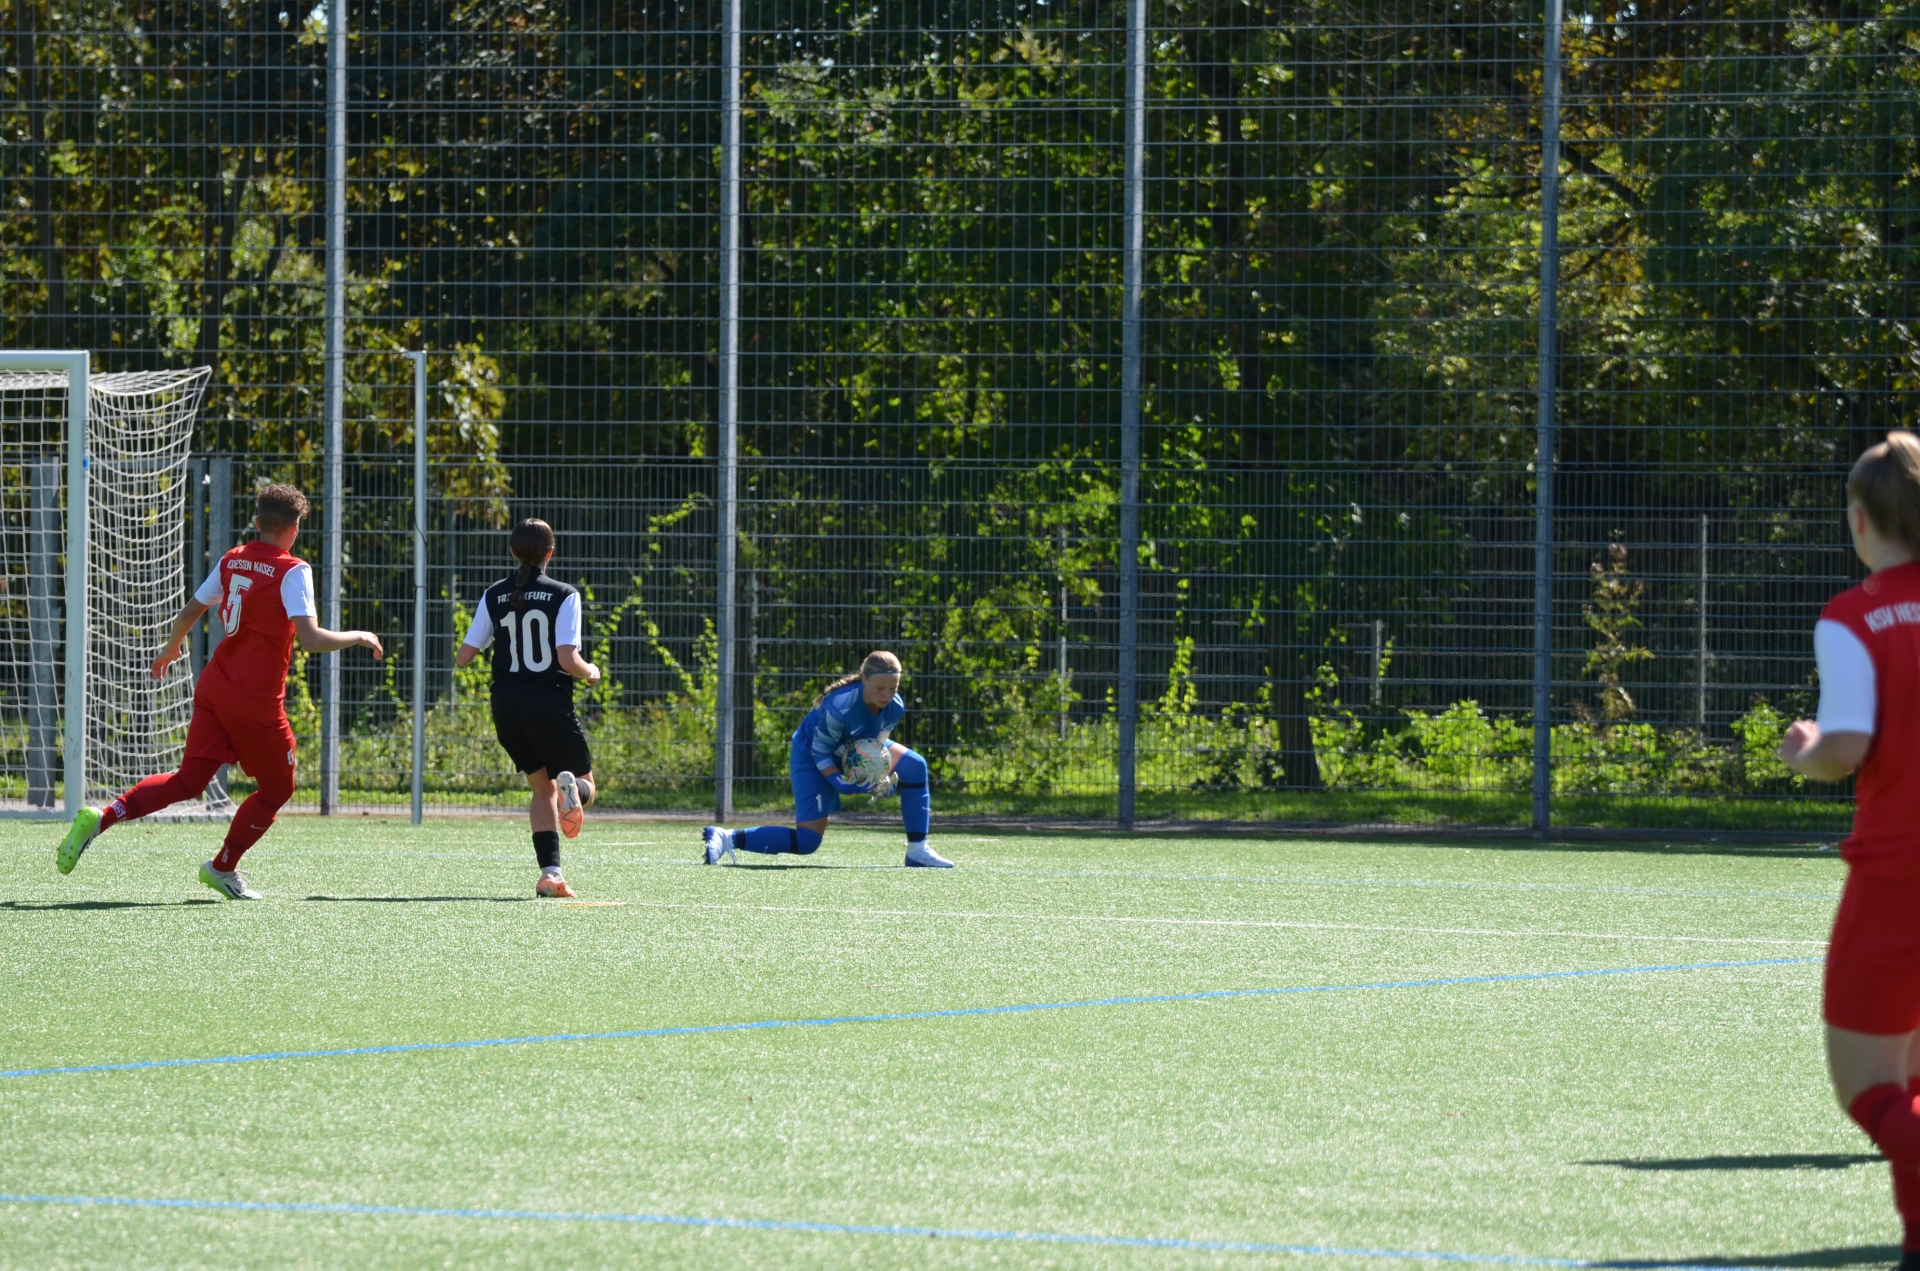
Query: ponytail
point(880, 663)
point(1885, 481)
point(531, 543)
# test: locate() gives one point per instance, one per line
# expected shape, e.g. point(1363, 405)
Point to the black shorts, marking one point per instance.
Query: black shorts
point(538, 729)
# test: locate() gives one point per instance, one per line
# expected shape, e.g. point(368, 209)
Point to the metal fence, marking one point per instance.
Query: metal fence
point(1163, 381)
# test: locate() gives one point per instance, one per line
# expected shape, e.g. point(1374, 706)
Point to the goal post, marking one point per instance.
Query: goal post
point(117, 445)
point(74, 366)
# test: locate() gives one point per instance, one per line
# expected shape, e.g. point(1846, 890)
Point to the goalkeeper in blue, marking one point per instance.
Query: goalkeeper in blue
point(845, 736)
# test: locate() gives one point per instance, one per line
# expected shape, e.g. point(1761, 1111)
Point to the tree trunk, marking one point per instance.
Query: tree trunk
point(1291, 667)
point(747, 651)
point(218, 211)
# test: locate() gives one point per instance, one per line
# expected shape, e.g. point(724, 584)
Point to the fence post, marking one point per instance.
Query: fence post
point(1701, 711)
point(219, 539)
point(334, 396)
point(419, 359)
point(1548, 375)
point(196, 557)
point(727, 479)
point(1132, 269)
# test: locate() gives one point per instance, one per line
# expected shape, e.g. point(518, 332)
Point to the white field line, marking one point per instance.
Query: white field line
point(1228, 922)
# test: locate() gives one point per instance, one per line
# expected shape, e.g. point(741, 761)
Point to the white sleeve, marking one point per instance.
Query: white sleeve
point(567, 629)
point(208, 592)
point(1847, 691)
point(296, 592)
point(480, 630)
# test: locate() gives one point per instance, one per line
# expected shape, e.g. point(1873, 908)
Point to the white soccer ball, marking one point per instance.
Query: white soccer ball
point(865, 762)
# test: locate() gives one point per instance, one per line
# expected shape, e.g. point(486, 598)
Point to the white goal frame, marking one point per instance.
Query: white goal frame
point(77, 365)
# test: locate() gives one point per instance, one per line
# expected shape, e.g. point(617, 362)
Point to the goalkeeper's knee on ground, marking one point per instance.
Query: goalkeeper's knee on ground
point(772, 840)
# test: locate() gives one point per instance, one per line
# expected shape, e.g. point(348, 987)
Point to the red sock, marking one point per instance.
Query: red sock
point(1886, 1113)
point(1906, 1188)
point(251, 820)
point(158, 792)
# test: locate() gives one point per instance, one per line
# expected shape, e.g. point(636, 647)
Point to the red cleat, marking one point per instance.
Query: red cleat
point(554, 887)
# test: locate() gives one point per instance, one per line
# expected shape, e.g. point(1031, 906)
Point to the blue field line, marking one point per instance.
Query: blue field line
point(1182, 1243)
point(686, 1030)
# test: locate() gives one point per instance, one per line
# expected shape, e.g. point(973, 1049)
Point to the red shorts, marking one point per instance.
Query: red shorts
point(229, 730)
point(1873, 963)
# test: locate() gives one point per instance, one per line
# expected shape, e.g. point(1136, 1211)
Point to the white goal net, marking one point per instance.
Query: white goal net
point(139, 430)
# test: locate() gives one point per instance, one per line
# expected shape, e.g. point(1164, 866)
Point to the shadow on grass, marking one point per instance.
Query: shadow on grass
point(425, 900)
point(1781, 1161)
point(778, 866)
point(1857, 1256)
point(23, 906)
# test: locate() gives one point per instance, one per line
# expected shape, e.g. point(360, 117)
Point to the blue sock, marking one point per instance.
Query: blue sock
point(916, 800)
point(771, 840)
point(768, 840)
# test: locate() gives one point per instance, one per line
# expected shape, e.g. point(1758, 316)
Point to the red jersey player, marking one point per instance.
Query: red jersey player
point(263, 597)
point(1867, 644)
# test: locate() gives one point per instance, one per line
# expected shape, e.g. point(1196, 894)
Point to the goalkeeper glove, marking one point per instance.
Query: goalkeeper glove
point(843, 785)
point(884, 786)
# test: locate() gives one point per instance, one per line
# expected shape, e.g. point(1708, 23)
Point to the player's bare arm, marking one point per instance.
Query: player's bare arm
point(177, 638)
point(1834, 754)
point(573, 664)
point(315, 638)
point(1820, 756)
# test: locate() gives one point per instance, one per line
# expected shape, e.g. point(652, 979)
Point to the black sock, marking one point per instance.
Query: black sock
point(546, 848)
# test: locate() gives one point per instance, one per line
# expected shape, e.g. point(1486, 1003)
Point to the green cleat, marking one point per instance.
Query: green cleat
point(80, 836)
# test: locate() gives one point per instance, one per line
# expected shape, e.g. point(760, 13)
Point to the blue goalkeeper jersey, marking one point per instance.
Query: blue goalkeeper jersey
point(841, 717)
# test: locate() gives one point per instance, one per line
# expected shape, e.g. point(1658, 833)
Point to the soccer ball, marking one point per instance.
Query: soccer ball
point(865, 762)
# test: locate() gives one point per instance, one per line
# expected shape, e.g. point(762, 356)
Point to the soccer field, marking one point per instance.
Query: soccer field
point(1074, 1051)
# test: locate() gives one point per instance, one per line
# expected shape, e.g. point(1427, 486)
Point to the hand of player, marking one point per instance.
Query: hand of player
point(371, 643)
point(843, 785)
point(593, 675)
point(1801, 737)
point(167, 658)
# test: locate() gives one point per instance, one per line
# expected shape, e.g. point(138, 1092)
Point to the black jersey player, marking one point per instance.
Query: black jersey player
point(533, 623)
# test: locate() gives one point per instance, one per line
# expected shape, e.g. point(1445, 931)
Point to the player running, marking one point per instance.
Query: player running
point(264, 596)
point(1867, 644)
point(865, 704)
point(539, 619)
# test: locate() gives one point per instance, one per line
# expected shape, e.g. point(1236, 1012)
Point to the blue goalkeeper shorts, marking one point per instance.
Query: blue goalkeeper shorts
point(813, 794)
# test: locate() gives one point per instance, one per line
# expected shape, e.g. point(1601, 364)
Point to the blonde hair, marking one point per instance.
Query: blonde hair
point(879, 662)
point(1885, 482)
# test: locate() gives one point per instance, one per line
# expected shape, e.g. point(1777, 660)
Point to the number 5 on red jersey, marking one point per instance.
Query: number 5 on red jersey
point(237, 585)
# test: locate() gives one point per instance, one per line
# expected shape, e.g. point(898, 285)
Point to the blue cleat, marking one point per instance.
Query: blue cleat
point(719, 845)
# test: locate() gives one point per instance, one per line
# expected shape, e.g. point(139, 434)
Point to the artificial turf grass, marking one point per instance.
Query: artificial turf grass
point(1450, 1118)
